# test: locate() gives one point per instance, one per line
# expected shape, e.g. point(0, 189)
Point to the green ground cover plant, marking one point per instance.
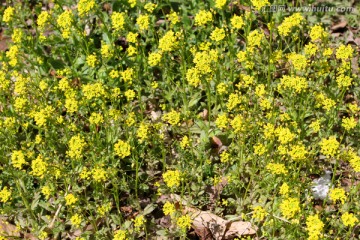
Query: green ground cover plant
point(126, 119)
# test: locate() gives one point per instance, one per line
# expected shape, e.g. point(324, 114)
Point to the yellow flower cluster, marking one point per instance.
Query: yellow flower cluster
point(70, 199)
point(96, 119)
point(8, 14)
point(117, 21)
point(288, 23)
point(349, 219)
point(237, 22)
point(172, 178)
point(94, 90)
point(39, 167)
point(43, 19)
point(168, 208)
point(65, 21)
point(203, 17)
point(217, 35)
point(258, 4)
point(298, 61)
point(337, 194)
point(168, 42)
point(172, 117)
point(259, 213)
point(5, 195)
point(349, 123)
point(296, 83)
point(139, 222)
point(184, 222)
point(222, 121)
point(76, 220)
point(314, 227)
point(276, 168)
point(18, 159)
point(317, 33)
point(143, 21)
point(142, 132)
point(122, 149)
point(85, 6)
point(289, 207)
point(344, 52)
point(76, 147)
point(330, 146)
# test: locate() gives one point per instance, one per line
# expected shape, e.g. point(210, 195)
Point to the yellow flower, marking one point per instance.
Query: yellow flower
point(349, 123)
point(76, 220)
point(168, 208)
point(150, 7)
point(168, 42)
point(184, 222)
point(184, 142)
point(298, 61)
point(284, 134)
point(132, 3)
point(130, 94)
point(99, 174)
point(17, 35)
point(91, 60)
point(193, 77)
point(237, 123)
point(8, 14)
point(5, 195)
point(315, 126)
point(173, 18)
point(289, 207)
point(298, 152)
point(120, 235)
point(132, 37)
point(258, 4)
point(220, 3)
point(85, 6)
point(154, 58)
point(349, 219)
point(96, 119)
point(344, 52)
point(203, 17)
point(64, 21)
point(42, 19)
point(224, 157)
point(18, 159)
point(172, 117)
point(39, 167)
point(70, 199)
point(143, 22)
point(117, 21)
point(317, 33)
point(329, 147)
point(46, 190)
point(314, 227)
point(276, 168)
point(218, 34)
point(337, 194)
point(122, 149)
point(131, 51)
point(222, 121)
point(284, 189)
point(127, 75)
point(259, 213)
point(106, 51)
point(139, 222)
point(142, 132)
point(288, 23)
point(172, 178)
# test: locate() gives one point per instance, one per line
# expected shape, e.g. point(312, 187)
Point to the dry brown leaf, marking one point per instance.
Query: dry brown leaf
point(7, 230)
point(219, 228)
point(339, 27)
